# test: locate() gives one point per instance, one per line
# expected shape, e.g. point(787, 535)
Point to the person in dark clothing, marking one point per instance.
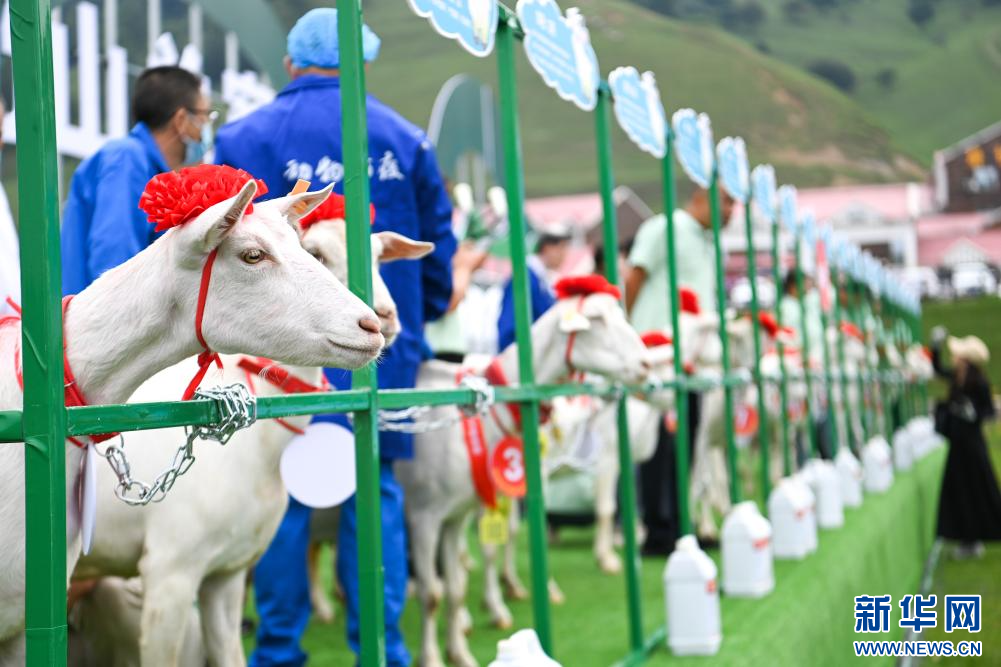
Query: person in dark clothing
point(969, 510)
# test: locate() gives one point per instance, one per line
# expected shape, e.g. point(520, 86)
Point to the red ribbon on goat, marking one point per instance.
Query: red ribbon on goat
point(207, 356)
point(281, 378)
point(476, 447)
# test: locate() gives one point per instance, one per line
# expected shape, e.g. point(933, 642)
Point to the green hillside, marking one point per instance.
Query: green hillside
point(812, 133)
point(929, 83)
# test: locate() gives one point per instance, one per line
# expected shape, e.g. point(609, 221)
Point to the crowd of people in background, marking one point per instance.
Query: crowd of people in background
point(299, 132)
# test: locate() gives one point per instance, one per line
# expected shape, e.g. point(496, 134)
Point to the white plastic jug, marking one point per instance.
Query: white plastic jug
point(691, 595)
point(746, 543)
point(826, 486)
point(794, 529)
point(877, 465)
point(522, 649)
point(850, 474)
point(903, 449)
point(803, 478)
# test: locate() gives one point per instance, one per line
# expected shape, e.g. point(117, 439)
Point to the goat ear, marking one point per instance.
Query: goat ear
point(207, 231)
point(573, 321)
point(298, 206)
point(396, 246)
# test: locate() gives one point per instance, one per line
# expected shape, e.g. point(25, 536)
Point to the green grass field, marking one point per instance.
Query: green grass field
point(946, 72)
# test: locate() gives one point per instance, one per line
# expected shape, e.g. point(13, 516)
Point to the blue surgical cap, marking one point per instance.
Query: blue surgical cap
point(312, 42)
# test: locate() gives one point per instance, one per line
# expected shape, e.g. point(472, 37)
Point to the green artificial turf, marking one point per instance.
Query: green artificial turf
point(808, 619)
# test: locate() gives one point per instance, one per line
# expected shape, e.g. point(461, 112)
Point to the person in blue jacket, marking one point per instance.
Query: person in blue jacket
point(550, 253)
point(102, 224)
point(298, 135)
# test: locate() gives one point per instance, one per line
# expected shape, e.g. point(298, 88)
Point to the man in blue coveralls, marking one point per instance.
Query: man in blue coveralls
point(543, 267)
point(298, 135)
point(102, 223)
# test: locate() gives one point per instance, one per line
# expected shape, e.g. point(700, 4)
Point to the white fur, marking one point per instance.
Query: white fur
point(439, 490)
point(137, 319)
point(220, 517)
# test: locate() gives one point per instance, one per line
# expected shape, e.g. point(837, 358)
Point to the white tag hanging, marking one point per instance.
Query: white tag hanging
point(318, 467)
point(88, 498)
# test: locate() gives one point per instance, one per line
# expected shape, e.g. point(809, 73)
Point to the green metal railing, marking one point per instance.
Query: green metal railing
point(44, 422)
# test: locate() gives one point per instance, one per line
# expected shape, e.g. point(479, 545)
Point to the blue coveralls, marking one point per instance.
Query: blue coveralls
point(102, 224)
point(298, 135)
point(542, 300)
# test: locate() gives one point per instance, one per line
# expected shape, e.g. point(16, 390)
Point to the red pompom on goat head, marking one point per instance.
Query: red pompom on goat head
point(688, 301)
point(176, 197)
point(656, 339)
point(769, 323)
point(585, 285)
point(333, 208)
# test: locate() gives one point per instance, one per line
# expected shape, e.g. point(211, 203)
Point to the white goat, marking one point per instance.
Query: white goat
point(137, 319)
point(199, 543)
point(440, 494)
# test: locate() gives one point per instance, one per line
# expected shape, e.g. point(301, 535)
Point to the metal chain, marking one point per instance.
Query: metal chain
point(412, 420)
point(238, 408)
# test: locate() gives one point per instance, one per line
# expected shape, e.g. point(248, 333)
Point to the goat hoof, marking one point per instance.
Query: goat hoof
point(503, 622)
point(514, 590)
point(462, 658)
point(323, 610)
point(610, 563)
point(556, 595)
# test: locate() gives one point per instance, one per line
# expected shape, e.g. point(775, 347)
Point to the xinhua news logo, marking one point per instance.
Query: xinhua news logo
point(917, 613)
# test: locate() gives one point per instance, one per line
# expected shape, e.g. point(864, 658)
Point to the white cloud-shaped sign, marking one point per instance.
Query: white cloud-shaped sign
point(693, 144)
point(788, 212)
point(472, 23)
point(639, 110)
point(763, 189)
point(731, 161)
point(559, 49)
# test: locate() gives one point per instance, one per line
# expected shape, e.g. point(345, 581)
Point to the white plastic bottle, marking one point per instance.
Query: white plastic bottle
point(691, 594)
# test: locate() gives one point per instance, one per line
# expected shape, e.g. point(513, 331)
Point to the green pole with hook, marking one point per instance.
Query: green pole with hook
point(805, 336)
point(511, 142)
point(681, 431)
point(43, 415)
point(752, 274)
point(831, 417)
point(354, 132)
point(843, 375)
point(731, 439)
point(787, 463)
point(627, 488)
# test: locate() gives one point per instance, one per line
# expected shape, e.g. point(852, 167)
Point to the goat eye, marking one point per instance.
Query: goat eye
point(252, 256)
point(318, 256)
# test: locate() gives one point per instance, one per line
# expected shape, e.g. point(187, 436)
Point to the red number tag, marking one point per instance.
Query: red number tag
point(746, 420)
point(507, 466)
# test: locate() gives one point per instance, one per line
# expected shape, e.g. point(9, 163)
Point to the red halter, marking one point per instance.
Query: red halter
point(207, 356)
point(281, 378)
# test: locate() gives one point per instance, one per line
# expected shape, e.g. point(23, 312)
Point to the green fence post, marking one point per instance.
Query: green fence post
point(752, 273)
point(862, 373)
point(805, 335)
point(832, 413)
point(780, 350)
point(731, 440)
point(840, 338)
point(681, 390)
point(627, 484)
point(523, 317)
point(44, 414)
point(354, 132)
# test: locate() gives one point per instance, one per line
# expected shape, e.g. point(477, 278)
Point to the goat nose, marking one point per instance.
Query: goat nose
point(385, 313)
point(370, 324)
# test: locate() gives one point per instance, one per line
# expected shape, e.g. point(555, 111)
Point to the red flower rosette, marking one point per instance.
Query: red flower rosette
point(656, 339)
point(333, 208)
point(584, 286)
point(176, 197)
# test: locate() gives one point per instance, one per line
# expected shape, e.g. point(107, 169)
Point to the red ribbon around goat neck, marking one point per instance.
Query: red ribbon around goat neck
point(476, 447)
point(207, 356)
point(281, 378)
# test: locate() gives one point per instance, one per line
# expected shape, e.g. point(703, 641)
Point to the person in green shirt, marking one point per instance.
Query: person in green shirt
point(647, 298)
point(648, 305)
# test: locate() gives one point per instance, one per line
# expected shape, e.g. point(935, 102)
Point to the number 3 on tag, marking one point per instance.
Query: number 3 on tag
point(507, 467)
point(493, 527)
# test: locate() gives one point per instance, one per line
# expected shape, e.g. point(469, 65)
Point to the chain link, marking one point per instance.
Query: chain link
point(238, 408)
point(412, 420)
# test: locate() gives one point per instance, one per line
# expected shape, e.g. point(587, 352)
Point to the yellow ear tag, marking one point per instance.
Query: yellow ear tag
point(300, 187)
point(544, 440)
point(493, 527)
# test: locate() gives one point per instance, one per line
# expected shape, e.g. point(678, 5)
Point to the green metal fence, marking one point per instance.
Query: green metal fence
point(44, 422)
